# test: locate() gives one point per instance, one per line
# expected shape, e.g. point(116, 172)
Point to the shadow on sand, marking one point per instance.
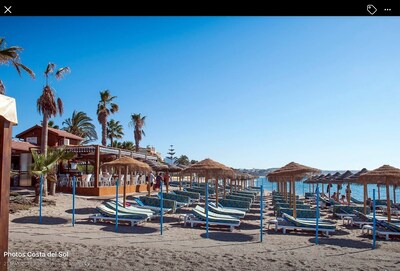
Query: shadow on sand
point(82, 211)
point(128, 229)
point(46, 220)
point(340, 242)
point(228, 237)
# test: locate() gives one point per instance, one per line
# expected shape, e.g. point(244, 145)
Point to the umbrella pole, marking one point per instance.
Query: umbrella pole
point(126, 178)
point(388, 200)
point(216, 190)
point(191, 180)
point(290, 194)
point(180, 183)
point(294, 198)
point(231, 187)
point(394, 194)
point(206, 207)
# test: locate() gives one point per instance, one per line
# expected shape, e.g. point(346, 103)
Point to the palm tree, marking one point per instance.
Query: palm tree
point(183, 160)
point(53, 125)
point(11, 55)
point(105, 107)
point(114, 131)
point(138, 122)
point(81, 125)
point(45, 165)
point(128, 145)
point(49, 106)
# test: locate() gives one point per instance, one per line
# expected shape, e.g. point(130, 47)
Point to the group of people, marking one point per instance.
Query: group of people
point(156, 182)
point(344, 199)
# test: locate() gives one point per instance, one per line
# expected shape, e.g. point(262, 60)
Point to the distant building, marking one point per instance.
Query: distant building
point(21, 157)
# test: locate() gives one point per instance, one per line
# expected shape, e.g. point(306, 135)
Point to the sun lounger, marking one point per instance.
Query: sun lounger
point(193, 196)
point(181, 200)
point(388, 229)
point(356, 201)
point(345, 210)
point(291, 223)
point(198, 216)
point(240, 198)
point(226, 211)
point(129, 209)
point(107, 214)
point(145, 203)
point(234, 204)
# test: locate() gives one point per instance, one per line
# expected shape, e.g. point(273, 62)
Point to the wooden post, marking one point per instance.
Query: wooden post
point(388, 200)
point(224, 187)
point(294, 197)
point(365, 197)
point(290, 194)
point(191, 180)
point(216, 190)
point(180, 182)
point(148, 184)
point(126, 178)
point(231, 186)
point(394, 194)
point(5, 167)
point(379, 192)
point(96, 166)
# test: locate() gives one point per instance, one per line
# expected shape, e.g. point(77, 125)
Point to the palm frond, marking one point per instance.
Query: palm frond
point(28, 70)
point(143, 133)
point(2, 88)
point(62, 71)
point(49, 69)
point(60, 106)
point(114, 108)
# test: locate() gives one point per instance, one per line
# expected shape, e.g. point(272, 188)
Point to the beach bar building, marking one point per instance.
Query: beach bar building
point(91, 178)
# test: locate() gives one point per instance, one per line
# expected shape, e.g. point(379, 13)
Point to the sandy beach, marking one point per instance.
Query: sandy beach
point(56, 245)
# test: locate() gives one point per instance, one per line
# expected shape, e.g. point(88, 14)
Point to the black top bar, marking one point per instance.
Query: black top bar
point(217, 7)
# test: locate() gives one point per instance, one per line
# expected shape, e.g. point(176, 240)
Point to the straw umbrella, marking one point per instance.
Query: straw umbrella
point(132, 164)
point(385, 174)
point(292, 172)
point(341, 180)
point(209, 168)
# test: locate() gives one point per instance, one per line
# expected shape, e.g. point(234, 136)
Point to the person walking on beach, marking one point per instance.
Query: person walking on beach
point(166, 180)
point(152, 179)
point(348, 194)
point(159, 180)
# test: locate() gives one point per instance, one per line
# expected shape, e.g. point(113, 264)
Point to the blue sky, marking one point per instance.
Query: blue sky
point(246, 91)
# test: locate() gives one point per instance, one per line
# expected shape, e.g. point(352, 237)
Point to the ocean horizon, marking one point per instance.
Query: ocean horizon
point(357, 191)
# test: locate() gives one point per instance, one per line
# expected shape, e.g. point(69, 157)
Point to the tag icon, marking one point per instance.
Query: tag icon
point(371, 9)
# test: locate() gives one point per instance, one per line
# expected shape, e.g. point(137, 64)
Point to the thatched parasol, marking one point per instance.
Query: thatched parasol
point(292, 172)
point(133, 164)
point(210, 168)
point(156, 165)
point(385, 174)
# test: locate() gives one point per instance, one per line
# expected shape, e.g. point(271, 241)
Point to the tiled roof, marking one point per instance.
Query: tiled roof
point(22, 146)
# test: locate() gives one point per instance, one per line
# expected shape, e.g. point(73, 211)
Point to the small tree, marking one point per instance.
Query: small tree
point(183, 160)
point(46, 166)
point(171, 153)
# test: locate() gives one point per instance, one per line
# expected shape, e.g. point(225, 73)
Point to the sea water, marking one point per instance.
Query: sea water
point(357, 191)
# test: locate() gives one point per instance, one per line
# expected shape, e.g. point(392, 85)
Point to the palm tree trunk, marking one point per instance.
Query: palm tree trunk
point(45, 127)
point(111, 141)
point(104, 132)
point(53, 186)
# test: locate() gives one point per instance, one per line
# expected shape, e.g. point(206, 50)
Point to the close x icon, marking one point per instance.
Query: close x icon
point(7, 9)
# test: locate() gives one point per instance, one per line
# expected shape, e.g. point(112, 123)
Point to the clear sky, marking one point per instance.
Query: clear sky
point(246, 91)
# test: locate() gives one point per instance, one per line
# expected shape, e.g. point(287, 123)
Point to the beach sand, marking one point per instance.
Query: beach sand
point(89, 246)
